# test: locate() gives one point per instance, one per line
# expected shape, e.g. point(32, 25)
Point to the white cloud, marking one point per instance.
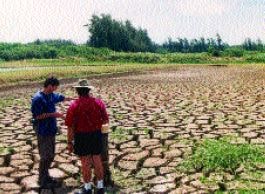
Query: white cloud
point(201, 7)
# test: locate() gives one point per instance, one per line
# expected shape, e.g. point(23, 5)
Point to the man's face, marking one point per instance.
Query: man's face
point(51, 88)
point(54, 88)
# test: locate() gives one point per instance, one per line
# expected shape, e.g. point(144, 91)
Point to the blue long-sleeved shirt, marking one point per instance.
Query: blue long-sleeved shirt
point(45, 103)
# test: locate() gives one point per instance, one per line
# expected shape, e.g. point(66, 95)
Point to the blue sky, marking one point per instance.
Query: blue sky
point(234, 20)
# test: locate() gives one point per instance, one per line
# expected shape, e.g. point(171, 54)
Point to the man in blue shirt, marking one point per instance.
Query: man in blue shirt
point(44, 122)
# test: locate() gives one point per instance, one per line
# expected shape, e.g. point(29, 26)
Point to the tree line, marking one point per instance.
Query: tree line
point(123, 36)
point(111, 35)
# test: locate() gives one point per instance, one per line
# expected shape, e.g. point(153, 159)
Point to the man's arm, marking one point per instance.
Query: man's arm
point(70, 135)
point(69, 122)
point(62, 98)
point(48, 115)
point(105, 115)
point(103, 110)
point(105, 122)
point(68, 99)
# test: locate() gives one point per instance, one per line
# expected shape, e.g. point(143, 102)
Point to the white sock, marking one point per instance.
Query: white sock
point(100, 184)
point(88, 186)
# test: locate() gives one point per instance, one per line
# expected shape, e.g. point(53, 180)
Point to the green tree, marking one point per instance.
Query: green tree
point(118, 36)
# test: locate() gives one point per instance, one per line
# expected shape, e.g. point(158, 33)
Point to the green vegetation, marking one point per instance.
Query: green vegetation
point(108, 36)
point(234, 52)
point(145, 130)
point(123, 36)
point(251, 45)
point(6, 150)
point(23, 75)
point(85, 55)
point(183, 45)
point(215, 155)
point(120, 133)
point(49, 50)
point(62, 138)
point(118, 36)
point(255, 57)
point(11, 101)
point(123, 181)
point(116, 47)
point(243, 191)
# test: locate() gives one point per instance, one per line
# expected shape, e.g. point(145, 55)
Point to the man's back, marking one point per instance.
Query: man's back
point(87, 114)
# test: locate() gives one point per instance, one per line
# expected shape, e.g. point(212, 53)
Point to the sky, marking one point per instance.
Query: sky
point(27, 20)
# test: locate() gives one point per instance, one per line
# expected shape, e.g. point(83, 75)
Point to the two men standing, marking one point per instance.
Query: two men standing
point(84, 119)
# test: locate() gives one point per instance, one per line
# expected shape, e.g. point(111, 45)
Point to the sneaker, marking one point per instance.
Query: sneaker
point(100, 191)
point(53, 181)
point(46, 185)
point(84, 191)
point(108, 182)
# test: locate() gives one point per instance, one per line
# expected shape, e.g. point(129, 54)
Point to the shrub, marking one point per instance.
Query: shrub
point(256, 57)
point(50, 54)
point(234, 52)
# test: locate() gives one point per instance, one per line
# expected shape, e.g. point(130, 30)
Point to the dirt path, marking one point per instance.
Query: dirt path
point(156, 120)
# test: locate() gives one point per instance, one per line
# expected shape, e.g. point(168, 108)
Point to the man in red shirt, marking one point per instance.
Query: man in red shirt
point(84, 119)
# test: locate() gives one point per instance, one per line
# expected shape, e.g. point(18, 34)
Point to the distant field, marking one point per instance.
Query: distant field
point(14, 73)
point(24, 71)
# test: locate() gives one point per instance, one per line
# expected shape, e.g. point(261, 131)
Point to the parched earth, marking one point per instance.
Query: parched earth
point(156, 119)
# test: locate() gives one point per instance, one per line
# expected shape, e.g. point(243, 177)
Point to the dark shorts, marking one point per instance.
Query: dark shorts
point(88, 143)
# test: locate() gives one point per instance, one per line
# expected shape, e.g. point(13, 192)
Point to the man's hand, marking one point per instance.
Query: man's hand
point(70, 147)
point(69, 99)
point(58, 115)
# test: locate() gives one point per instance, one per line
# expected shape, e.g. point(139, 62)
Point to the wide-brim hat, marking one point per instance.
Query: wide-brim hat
point(84, 83)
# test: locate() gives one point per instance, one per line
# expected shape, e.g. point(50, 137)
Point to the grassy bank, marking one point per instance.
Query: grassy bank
point(30, 74)
point(24, 71)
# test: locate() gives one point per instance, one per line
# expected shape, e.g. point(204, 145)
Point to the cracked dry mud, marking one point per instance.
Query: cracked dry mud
point(156, 118)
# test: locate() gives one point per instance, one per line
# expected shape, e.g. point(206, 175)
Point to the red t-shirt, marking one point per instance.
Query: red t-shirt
point(86, 114)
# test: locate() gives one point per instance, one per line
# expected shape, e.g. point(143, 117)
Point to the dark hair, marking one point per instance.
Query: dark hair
point(51, 81)
point(82, 91)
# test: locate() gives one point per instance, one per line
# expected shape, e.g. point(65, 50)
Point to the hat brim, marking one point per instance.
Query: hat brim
point(89, 87)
